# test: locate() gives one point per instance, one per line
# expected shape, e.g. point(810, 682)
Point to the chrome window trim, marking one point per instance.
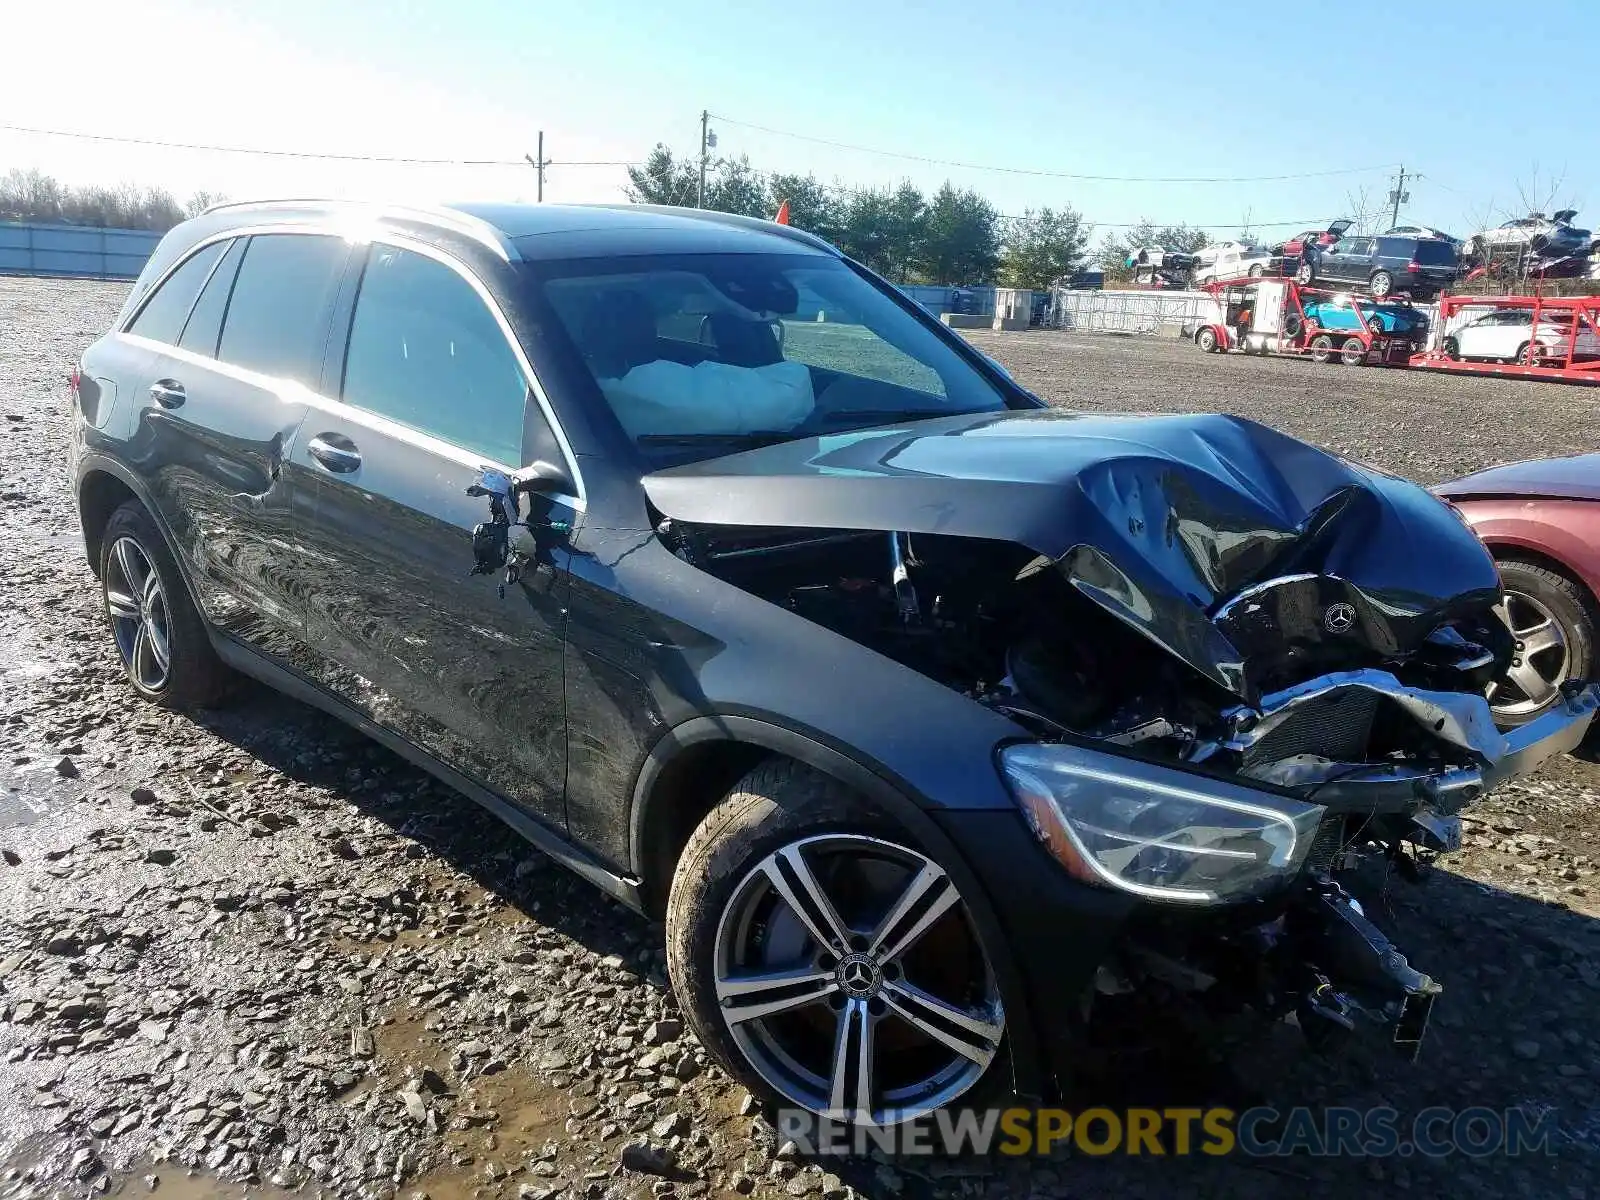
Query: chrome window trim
point(366, 236)
point(295, 392)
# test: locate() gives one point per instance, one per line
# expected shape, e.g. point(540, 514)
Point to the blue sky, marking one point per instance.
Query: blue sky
point(1124, 89)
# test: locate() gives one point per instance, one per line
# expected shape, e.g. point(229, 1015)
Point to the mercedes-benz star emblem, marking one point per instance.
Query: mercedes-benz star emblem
point(1339, 617)
point(858, 975)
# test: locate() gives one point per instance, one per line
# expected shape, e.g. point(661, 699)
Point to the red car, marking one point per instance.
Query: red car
point(1286, 258)
point(1541, 521)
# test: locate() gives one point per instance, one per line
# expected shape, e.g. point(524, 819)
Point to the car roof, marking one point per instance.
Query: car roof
point(551, 231)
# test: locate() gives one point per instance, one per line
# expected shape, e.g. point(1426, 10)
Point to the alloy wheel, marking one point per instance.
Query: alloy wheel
point(1542, 660)
point(139, 617)
point(850, 976)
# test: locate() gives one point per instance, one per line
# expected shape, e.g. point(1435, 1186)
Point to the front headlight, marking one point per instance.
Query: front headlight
point(1156, 831)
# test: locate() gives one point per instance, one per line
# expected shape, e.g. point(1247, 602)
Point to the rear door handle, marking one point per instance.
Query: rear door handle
point(335, 452)
point(168, 393)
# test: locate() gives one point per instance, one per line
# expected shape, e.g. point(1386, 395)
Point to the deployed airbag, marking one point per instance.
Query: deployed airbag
point(710, 397)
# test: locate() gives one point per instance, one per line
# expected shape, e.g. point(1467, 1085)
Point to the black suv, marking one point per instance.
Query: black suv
point(923, 714)
point(1422, 267)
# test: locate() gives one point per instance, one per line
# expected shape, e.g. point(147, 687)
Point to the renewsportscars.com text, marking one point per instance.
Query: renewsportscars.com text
point(1257, 1132)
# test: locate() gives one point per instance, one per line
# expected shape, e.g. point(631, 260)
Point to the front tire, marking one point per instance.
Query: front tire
point(1552, 619)
point(1206, 339)
point(158, 634)
point(1305, 273)
point(828, 962)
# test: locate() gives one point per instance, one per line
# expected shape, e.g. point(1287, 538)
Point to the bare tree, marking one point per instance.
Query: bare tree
point(1365, 210)
point(1537, 197)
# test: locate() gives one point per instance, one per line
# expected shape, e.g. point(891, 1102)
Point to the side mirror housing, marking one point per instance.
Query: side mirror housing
point(543, 477)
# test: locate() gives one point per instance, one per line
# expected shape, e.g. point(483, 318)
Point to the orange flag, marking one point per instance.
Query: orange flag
point(783, 214)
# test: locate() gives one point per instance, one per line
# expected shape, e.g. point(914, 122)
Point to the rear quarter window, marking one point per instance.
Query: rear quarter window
point(162, 316)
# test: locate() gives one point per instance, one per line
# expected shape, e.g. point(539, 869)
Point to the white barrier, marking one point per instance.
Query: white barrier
point(1149, 312)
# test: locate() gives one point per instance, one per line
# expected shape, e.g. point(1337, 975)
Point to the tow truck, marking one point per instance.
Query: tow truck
point(1286, 318)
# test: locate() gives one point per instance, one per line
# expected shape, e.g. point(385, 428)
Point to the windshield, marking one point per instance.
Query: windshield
point(699, 355)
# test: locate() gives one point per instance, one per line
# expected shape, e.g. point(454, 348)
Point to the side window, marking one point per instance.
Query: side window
point(426, 351)
point(205, 322)
point(163, 313)
point(280, 298)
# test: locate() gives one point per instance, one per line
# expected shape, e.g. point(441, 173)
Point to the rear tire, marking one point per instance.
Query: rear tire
point(159, 636)
point(1257, 271)
point(1452, 349)
point(1305, 273)
point(784, 837)
point(1321, 348)
point(1353, 353)
point(1382, 284)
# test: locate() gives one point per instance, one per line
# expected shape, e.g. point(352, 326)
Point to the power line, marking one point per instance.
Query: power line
point(267, 153)
point(947, 162)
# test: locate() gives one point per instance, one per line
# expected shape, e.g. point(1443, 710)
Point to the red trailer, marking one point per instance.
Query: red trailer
point(1282, 317)
point(1533, 337)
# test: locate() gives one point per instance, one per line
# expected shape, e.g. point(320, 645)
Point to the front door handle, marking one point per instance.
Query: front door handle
point(168, 393)
point(335, 452)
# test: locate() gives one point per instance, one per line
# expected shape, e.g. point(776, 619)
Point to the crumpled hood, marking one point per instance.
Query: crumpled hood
point(1161, 520)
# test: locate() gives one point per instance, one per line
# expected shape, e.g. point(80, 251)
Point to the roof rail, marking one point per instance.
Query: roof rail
point(465, 223)
point(760, 224)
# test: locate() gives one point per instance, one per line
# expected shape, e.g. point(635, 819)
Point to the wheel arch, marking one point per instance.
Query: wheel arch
point(103, 486)
point(691, 768)
point(100, 493)
point(1506, 549)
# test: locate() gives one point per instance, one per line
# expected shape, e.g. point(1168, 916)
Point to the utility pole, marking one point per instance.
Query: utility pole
point(1399, 196)
point(705, 137)
point(539, 164)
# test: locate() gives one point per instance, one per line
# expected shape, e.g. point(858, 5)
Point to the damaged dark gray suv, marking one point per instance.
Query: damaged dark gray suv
point(930, 719)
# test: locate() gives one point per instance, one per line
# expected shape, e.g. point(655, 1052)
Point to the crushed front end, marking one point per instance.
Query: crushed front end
point(1242, 876)
point(1237, 665)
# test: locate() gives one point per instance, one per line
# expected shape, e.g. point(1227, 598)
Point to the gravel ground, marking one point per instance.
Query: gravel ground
point(253, 954)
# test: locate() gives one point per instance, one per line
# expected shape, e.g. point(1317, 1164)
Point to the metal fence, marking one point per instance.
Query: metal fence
point(1177, 313)
point(1125, 312)
point(75, 250)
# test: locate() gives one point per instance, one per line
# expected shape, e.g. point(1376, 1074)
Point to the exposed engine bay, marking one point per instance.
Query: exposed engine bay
point(1008, 628)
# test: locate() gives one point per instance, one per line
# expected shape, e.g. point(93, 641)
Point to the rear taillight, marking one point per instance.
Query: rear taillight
point(1413, 267)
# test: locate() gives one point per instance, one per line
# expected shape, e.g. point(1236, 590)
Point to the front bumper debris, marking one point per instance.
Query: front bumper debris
point(1462, 719)
point(1353, 971)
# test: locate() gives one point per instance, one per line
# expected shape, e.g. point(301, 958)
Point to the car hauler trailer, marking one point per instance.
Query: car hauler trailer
point(1557, 337)
point(1282, 317)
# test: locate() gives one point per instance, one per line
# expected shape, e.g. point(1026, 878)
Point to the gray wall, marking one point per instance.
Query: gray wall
point(82, 250)
point(936, 297)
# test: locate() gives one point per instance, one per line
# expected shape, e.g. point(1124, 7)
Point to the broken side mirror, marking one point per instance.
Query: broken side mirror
point(542, 477)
